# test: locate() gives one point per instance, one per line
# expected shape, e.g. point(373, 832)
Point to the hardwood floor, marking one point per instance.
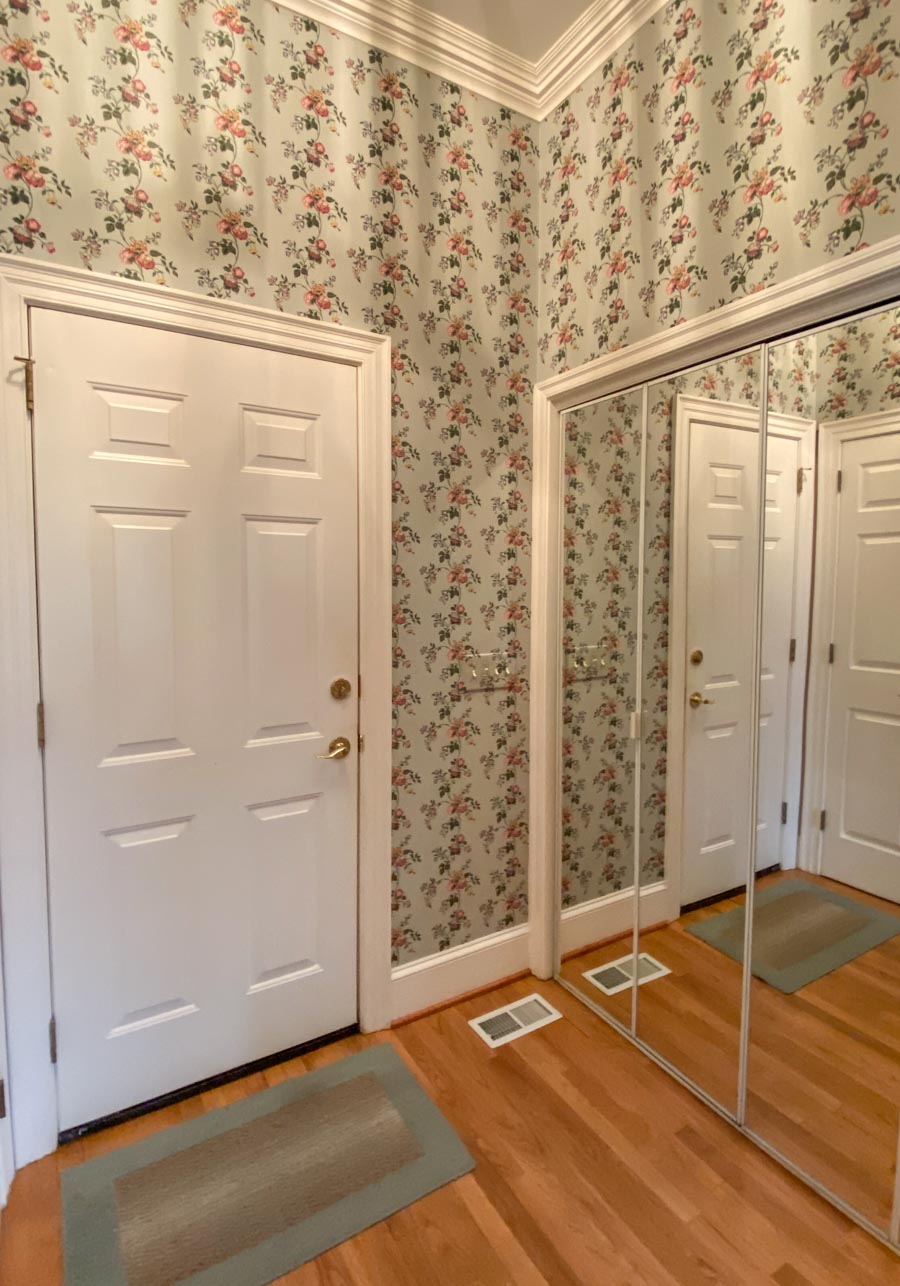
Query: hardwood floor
point(824, 1065)
point(593, 1168)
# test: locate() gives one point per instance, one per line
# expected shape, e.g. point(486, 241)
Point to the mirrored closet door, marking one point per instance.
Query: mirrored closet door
point(600, 628)
point(729, 706)
point(824, 1047)
point(701, 567)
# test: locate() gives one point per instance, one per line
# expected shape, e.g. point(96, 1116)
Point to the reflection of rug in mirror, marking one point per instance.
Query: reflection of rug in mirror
point(801, 931)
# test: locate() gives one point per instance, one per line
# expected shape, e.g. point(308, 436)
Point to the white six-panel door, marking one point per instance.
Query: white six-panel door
point(714, 560)
point(713, 589)
point(861, 838)
point(197, 565)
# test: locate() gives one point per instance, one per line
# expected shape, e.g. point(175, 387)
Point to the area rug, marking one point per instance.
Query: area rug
point(801, 931)
point(242, 1195)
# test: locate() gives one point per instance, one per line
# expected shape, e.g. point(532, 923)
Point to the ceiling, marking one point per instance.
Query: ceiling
point(526, 28)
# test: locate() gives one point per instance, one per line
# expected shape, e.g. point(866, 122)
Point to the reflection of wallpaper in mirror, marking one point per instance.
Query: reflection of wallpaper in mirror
point(848, 370)
point(602, 502)
point(734, 380)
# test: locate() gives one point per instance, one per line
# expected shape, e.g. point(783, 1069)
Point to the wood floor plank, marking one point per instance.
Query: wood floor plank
point(593, 1168)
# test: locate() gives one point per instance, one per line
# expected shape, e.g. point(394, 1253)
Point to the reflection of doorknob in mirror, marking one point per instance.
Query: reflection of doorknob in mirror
point(697, 700)
point(696, 656)
point(339, 749)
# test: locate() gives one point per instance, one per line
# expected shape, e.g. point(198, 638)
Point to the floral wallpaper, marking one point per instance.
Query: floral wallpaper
point(858, 367)
point(241, 151)
point(670, 181)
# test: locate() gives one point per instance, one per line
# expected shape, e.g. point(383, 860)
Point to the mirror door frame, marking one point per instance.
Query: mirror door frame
point(837, 290)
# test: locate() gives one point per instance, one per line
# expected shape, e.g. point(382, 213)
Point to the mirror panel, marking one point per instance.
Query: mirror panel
point(599, 627)
point(701, 565)
point(824, 1040)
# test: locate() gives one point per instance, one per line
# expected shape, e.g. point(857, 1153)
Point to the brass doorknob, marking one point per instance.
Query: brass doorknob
point(339, 749)
point(696, 699)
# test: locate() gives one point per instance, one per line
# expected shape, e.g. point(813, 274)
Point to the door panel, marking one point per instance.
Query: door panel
point(196, 522)
point(861, 842)
point(721, 449)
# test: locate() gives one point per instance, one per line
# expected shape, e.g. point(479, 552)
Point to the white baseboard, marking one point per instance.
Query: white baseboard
point(452, 973)
point(611, 916)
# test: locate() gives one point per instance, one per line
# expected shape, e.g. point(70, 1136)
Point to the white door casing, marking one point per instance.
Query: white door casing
point(197, 573)
point(787, 585)
point(856, 780)
point(25, 286)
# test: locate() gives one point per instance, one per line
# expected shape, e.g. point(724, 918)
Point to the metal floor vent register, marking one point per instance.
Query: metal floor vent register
point(503, 1025)
point(617, 975)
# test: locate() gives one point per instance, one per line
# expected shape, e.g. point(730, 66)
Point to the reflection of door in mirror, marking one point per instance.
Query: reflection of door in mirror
point(599, 628)
point(703, 469)
point(824, 1039)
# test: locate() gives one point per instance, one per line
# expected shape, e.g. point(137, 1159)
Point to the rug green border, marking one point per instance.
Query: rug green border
point(91, 1250)
point(881, 927)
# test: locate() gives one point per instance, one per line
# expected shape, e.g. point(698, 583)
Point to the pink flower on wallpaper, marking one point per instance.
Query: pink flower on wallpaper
point(314, 101)
point(228, 15)
point(131, 32)
point(680, 280)
point(134, 142)
point(317, 297)
point(682, 178)
point(229, 121)
point(25, 168)
point(138, 252)
point(231, 224)
point(22, 51)
point(390, 86)
point(684, 74)
point(761, 184)
point(866, 62)
point(862, 192)
point(764, 69)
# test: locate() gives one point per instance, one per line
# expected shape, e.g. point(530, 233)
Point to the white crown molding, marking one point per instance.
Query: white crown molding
point(453, 52)
point(444, 48)
point(602, 29)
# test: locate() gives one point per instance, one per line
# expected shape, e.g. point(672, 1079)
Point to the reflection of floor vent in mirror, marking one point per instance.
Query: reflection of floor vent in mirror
point(502, 1025)
point(617, 974)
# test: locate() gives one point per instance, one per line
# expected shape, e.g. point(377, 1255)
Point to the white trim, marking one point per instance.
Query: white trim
point(449, 974)
point(802, 430)
point(32, 1089)
point(832, 435)
point(612, 916)
point(843, 286)
point(603, 28)
point(453, 52)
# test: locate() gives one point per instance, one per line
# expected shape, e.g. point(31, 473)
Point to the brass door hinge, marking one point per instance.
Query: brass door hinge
point(41, 727)
point(361, 743)
point(831, 654)
point(822, 817)
point(840, 479)
point(792, 653)
point(2, 1100)
point(53, 1041)
point(784, 813)
point(28, 363)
